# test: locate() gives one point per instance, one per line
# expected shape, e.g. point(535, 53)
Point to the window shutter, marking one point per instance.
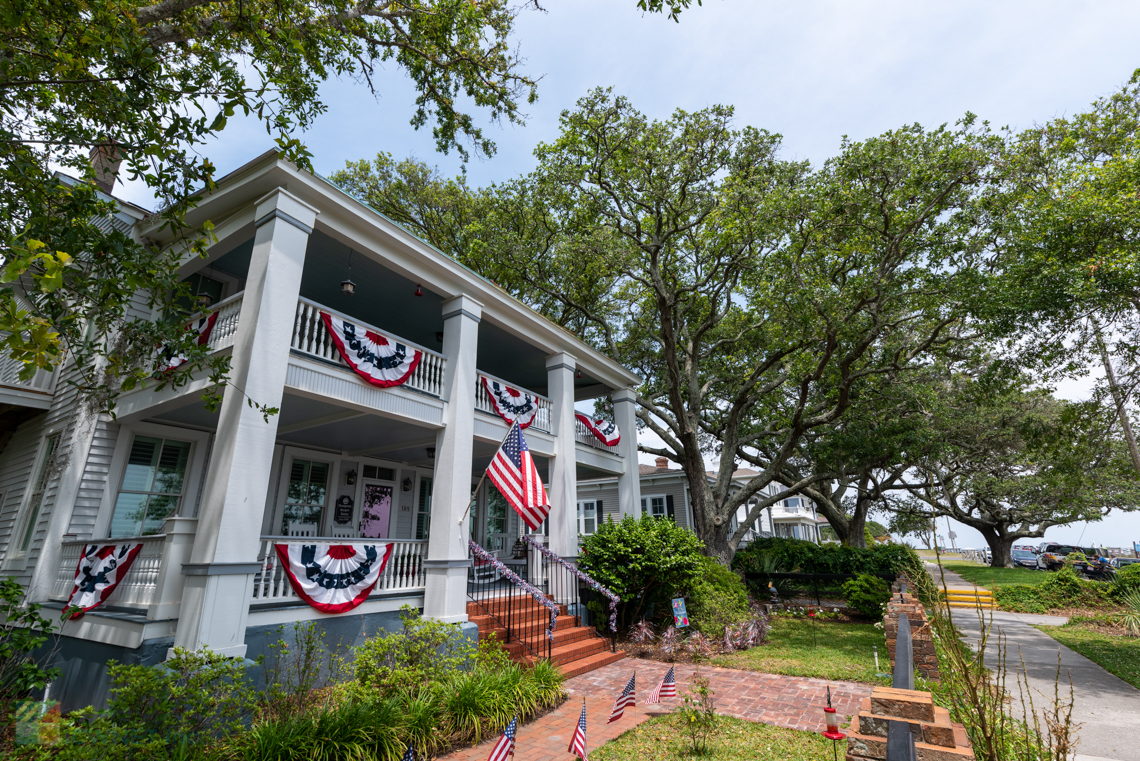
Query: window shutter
point(669, 507)
point(598, 513)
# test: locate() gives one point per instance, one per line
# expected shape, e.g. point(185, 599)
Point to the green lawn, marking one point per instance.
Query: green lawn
point(1116, 655)
point(990, 578)
point(839, 651)
point(733, 739)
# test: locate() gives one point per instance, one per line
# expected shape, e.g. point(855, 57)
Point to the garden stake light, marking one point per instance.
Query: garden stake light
point(831, 719)
point(811, 615)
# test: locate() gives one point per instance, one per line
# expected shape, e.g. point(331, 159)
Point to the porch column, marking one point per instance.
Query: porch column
point(629, 482)
point(219, 576)
point(563, 486)
point(445, 593)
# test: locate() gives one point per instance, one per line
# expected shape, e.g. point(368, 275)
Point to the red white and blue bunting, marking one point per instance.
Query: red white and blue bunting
point(605, 431)
point(511, 404)
point(614, 599)
point(101, 568)
point(203, 326)
point(333, 578)
point(374, 358)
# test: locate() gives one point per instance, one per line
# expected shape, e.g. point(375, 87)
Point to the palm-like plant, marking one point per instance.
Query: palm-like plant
point(1131, 616)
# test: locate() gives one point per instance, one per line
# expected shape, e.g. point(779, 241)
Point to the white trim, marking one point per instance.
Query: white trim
point(582, 517)
point(647, 505)
point(192, 482)
point(290, 453)
point(15, 559)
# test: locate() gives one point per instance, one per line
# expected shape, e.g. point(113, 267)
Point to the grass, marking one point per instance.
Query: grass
point(660, 738)
point(840, 651)
point(1116, 655)
point(989, 578)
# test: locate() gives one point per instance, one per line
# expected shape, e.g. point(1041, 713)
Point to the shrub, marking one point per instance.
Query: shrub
point(424, 652)
point(867, 594)
point(697, 715)
point(1130, 619)
point(644, 561)
point(22, 631)
point(299, 666)
point(717, 599)
point(1062, 589)
point(1125, 582)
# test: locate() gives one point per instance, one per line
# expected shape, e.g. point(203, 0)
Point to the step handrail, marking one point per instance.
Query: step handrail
point(614, 599)
point(514, 578)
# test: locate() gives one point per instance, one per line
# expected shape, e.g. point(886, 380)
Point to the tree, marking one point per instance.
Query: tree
point(140, 88)
point(1013, 461)
point(756, 296)
point(910, 517)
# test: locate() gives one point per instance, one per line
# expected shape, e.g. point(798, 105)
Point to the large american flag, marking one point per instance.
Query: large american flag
point(578, 741)
point(626, 698)
point(512, 470)
point(506, 745)
point(667, 689)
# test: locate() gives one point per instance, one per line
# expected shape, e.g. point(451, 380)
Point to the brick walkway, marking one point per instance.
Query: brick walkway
point(785, 701)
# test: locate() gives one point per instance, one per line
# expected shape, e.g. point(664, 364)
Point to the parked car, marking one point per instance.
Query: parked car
point(1052, 556)
point(1026, 558)
point(1119, 563)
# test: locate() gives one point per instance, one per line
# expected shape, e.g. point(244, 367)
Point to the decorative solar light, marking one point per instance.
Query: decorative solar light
point(831, 719)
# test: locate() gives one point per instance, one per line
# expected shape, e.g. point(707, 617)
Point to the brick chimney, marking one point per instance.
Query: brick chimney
point(105, 160)
point(662, 463)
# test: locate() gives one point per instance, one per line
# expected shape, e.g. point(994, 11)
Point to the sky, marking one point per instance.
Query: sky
point(813, 71)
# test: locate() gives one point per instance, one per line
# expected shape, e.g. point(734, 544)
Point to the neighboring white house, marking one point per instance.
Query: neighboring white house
point(207, 494)
point(665, 492)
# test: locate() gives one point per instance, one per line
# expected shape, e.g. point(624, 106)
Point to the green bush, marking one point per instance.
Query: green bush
point(1062, 589)
point(1125, 582)
point(644, 561)
point(867, 594)
point(718, 598)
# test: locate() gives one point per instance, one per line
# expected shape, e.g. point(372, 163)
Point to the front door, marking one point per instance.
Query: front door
point(376, 509)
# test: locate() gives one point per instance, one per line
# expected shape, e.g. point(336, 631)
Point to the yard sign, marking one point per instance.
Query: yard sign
point(680, 617)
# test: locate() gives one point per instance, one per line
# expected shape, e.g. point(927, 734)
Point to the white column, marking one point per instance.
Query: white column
point(563, 476)
point(216, 595)
point(629, 482)
point(445, 595)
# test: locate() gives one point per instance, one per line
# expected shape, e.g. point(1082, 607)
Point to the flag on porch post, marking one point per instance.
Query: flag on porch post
point(512, 470)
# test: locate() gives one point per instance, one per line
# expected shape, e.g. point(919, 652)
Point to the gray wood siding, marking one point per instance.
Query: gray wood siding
point(95, 474)
point(675, 486)
point(16, 463)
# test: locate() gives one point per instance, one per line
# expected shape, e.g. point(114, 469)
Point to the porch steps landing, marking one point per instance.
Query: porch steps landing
point(576, 649)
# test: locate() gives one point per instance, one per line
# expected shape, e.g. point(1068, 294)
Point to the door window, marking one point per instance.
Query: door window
point(305, 498)
point(153, 482)
point(376, 510)
point(496, 523)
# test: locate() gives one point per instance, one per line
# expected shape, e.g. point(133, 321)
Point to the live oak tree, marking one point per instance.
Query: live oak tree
point(756, 296)
point(1011, 461)
point(144, 87)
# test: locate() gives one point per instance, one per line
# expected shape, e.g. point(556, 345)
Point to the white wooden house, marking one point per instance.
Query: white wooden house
point(206, 494)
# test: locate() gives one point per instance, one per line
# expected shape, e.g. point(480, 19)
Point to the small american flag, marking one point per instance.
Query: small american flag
point(506, 745)
point(667, 689)
point(512, 470)
point(409, 755)
point(578, 741)
point(626, 698)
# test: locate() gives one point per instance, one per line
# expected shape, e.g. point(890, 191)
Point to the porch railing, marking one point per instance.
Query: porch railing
point(584, 435)
point(140, 587)
point(562, 583)
point(225, 327)
point(483, 402)
point(311, 337)
point(524, 614)
point(404, 572)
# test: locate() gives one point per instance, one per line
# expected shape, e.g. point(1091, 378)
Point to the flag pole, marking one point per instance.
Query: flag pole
point(475, 493)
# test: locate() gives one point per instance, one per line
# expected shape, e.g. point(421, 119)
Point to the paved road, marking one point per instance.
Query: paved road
point(1106, 707)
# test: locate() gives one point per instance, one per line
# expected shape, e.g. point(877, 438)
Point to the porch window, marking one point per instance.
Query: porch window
point(305, 500)
point(43, 475)
point(496, 528)
point(152, 486)
point(423, 513)
point(587, 518)
point(654, 506)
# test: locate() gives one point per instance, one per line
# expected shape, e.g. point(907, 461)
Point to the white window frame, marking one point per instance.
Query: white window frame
point(647, 505)
point(314, 455)
point(16, 558)
point(593, 503)
point(194, 468)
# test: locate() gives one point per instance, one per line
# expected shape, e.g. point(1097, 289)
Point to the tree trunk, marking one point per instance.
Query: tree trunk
point(1117, 398)
point(856, 534)
point(1001, 548)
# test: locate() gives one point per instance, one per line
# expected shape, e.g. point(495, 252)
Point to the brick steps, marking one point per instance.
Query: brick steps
point(575, 649)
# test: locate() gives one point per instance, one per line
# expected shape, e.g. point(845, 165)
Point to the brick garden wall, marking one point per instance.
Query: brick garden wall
point(925, 660)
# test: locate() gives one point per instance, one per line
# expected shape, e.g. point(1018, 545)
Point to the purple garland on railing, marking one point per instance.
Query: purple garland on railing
point(513, 577)
point(614, 599)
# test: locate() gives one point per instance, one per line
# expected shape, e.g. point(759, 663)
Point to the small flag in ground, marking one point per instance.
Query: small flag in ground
point(626, 698)
point(667, 689)
point(578, 741)
point(409, 755)
point(512, 470)
point(506, 745)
